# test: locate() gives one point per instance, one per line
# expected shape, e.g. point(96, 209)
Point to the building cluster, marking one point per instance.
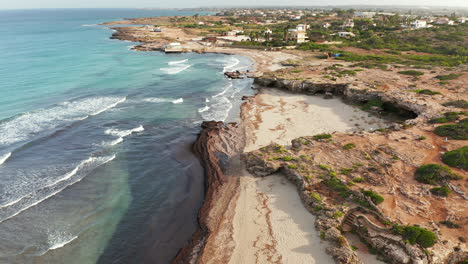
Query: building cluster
point(339, 23)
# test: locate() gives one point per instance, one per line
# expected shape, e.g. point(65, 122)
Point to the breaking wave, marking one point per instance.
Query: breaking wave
point(19, 205)
point(4, 158)
point(121, 134)
point(177, 62)
point(31, 125)
point(163, 100)
point(178, 68)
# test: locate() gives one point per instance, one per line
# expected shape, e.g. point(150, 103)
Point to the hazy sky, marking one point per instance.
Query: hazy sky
point(8, 4)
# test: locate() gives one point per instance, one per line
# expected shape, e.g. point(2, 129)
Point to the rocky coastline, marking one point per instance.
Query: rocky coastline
point(220, 149)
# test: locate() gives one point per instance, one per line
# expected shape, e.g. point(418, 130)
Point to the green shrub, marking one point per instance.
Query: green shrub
point(450, 224)
point(420, 236)
point(287, 158)
point(411, 72)
point(435, 174)
point(456, 131)
point(322, 136)
point(457, 103)
point(337, 214)
point(346, 171)
point(358, 179)
point(443, 191)
point(448, 117)
point(447, 77)
point(292, 166)
point(375, 197)
point(335, 184)
point(421, 138)
point(316, 196)
point(457, 158)
point(324, 167)
point(349, 146)
point(425, 91)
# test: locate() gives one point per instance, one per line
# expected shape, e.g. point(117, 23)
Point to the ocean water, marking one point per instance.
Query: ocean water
point(95, 160)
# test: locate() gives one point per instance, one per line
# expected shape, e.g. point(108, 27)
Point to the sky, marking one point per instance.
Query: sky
point(21, 4)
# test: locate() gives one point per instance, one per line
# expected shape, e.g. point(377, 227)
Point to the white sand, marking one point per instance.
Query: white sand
point(285, 116)
point(270, 224)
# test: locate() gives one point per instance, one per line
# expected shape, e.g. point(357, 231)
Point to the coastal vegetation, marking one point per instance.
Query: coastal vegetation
point(457, 103)
point(443, 191)
point(411, 72)
point(375, 197)
point(457, 158)
point(457, 131)
point(322, 136)
point(416, 235)
point(448, 117)
point(435, 174)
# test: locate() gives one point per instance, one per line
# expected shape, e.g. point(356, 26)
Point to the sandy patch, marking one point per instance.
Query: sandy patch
point(272, 226)
point(280, 117)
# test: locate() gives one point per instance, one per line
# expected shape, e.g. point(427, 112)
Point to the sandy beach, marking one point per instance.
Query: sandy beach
point(280, 117)
point(271, 224)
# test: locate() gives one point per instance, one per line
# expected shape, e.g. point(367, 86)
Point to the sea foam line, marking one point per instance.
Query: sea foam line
point(177, 62)
point(67, 176)
point(231, 66)
point(30, 125)
point(4, 158)
point(121, 134)
point(163, 100)
point(175, 70)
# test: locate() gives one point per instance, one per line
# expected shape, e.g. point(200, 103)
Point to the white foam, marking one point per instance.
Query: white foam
point(124, 133)
point(177, 62)
point(90, 25)
point(57, 240)
point(4, 158)
point(229, 86)
point(233, 63)
point(203, 109)
point(56, 186)
point(31, 124)
point(163, 100)
point(178, 101)
point(175, 70)
point(121, 134)
point(219, 110)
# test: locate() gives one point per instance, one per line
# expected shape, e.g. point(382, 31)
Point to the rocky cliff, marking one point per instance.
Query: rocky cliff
point(217, 147)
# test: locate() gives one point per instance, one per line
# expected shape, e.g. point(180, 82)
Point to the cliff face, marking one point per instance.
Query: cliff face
point(218, 147)
point(414, 106)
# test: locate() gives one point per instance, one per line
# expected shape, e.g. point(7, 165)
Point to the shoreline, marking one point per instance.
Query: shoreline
point(230, 139)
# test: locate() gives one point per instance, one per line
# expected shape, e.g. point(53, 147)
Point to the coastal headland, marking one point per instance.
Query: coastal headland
point(328, 148)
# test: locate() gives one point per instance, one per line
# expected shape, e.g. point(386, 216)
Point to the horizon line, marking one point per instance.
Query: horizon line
point(245, 6)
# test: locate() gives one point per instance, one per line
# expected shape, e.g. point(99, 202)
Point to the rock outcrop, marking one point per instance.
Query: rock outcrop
point(409, 104)
point(216, 147)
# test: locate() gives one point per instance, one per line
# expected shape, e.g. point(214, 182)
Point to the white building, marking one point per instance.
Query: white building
point(326, 25)
point(444, 21)
point(419, 24)
point(364, 14)
point(297, 36)
point(346, 34)
point(461, 20)
point(302, 27)
point(348, 23)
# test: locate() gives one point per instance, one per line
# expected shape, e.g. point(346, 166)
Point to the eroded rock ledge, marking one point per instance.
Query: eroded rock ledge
point(217, 147)
point(416, 108)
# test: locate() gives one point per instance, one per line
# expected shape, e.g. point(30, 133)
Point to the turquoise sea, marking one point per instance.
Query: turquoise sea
point(95, 160)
